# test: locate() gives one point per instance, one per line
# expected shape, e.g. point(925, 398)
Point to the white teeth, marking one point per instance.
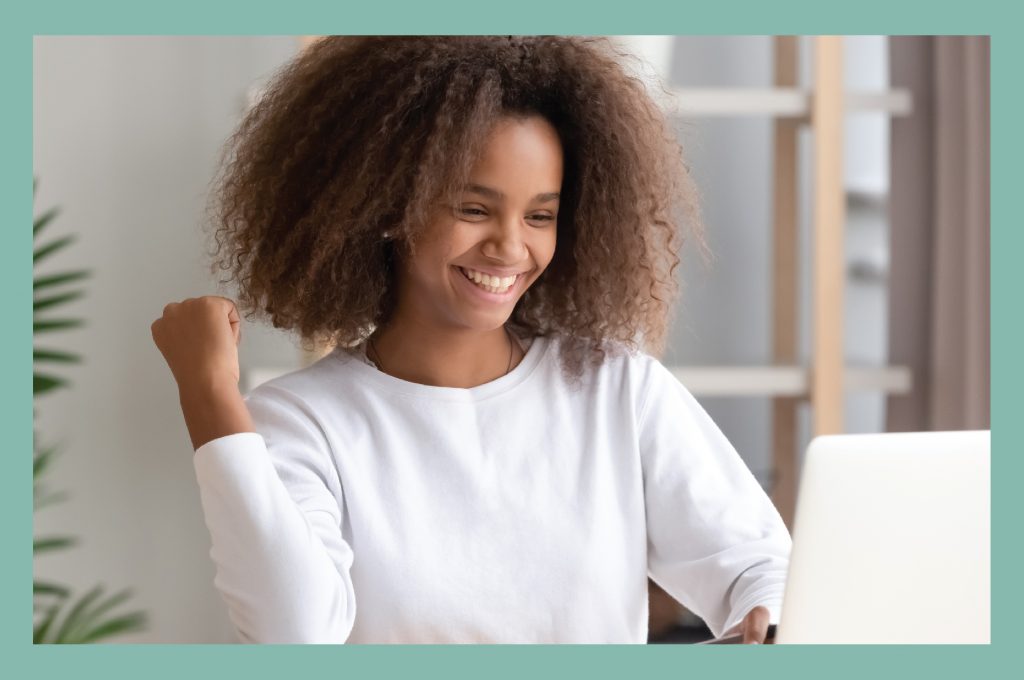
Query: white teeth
point(492, 284)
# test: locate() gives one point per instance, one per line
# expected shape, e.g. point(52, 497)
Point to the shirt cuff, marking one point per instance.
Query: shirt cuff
point(770, 599)
point(227, 442)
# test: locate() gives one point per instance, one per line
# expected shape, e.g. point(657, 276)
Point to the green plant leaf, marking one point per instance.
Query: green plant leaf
point(129, 623)
point(48, 325)
point(42, 303)
point(40, 253)
point(40, 222)
point(57, 543)
point(44, 383)
point(76, 615)
point(57, 279)
point(45, 588)
point(41, 501)
point(54, 355)
point(89, 618)
point(84, 622)
point(41, 459)
point(40, 630)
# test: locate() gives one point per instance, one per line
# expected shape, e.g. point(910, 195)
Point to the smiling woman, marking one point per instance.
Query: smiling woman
point(475, 260)
point(487, 228)
point(362, 136)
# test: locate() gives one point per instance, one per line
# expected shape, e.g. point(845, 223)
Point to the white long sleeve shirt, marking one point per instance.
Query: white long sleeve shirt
point(369, 509)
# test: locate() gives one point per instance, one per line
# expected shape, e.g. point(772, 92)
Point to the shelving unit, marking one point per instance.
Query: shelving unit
point(784, 381)
point(780, 102)
point(824, 382)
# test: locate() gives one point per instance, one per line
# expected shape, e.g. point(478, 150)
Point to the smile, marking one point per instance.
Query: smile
point(492, 287)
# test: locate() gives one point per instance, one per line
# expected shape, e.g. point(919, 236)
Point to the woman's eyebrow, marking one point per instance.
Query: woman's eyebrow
point(497, 195)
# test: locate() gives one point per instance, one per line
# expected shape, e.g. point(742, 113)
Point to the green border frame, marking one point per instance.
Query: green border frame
point(524, 16)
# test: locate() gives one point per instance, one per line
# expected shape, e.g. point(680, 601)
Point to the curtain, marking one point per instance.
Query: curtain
point(939, 226)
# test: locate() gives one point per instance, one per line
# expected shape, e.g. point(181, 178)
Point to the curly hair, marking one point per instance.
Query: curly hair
point(332, 175)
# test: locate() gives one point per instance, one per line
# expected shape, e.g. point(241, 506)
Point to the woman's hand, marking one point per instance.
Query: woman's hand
point(199, 338)
point(754, 626)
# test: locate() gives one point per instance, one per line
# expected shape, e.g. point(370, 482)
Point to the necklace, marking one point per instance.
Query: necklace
point(380, 364)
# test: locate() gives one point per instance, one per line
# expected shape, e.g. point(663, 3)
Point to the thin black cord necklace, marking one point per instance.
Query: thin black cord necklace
point(380, 364)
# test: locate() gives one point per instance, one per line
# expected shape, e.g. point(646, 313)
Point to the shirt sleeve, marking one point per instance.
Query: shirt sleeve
point(715, 541)
point(272, 501)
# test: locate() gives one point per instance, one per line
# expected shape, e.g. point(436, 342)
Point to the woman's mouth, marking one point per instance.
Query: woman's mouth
point(492, 288)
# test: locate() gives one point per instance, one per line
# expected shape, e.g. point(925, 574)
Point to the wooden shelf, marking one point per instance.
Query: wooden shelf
point(781, 102)
point(785, 381)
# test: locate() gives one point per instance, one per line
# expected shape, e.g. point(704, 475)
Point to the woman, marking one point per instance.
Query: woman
point(483, 227)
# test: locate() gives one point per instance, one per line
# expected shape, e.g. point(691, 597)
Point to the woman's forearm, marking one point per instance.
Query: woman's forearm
point(213, 411)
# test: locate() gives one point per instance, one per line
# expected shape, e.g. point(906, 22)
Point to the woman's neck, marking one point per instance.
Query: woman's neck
point(443, 357)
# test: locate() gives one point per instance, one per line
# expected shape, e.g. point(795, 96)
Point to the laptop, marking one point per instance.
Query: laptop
point(891, 541)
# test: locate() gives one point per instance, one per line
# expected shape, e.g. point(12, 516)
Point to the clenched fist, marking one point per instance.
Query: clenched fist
point(199, 340)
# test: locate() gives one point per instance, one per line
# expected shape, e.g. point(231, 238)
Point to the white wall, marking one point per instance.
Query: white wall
point(126, 134)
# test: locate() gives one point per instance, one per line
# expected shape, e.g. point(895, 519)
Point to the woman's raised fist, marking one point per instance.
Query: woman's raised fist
point(198, 338)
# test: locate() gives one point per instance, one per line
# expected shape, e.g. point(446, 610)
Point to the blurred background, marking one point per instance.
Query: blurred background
point(127, 132)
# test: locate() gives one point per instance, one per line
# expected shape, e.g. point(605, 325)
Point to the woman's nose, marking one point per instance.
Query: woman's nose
point(507, 242)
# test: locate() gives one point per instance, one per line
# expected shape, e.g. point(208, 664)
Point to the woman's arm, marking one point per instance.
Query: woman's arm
point(271, 495)
point(213, 411)
point(716, 542)
point(273, 505)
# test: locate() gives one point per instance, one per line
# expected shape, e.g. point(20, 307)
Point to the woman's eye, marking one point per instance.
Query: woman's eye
point(478, 213)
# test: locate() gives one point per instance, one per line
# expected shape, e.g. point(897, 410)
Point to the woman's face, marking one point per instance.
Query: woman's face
point(503, 227)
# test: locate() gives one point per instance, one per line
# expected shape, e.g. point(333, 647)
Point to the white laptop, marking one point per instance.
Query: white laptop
point(891, 541)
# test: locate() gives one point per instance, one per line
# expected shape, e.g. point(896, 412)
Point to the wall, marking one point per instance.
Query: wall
point(126, 133)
